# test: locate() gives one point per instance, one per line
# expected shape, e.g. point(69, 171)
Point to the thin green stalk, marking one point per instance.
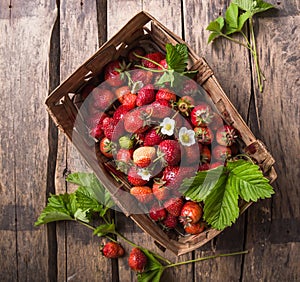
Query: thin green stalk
point(205, 258)
point(237, 41)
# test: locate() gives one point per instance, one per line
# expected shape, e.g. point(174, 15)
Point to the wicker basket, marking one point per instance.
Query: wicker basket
point(63, 104)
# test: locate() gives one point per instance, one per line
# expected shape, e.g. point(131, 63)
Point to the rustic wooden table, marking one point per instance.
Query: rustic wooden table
point(43, 42)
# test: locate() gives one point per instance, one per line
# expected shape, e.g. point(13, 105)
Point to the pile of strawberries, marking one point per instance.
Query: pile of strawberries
point(157, 135)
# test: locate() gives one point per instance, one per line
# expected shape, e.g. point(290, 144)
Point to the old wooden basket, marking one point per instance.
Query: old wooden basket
point(63, 104)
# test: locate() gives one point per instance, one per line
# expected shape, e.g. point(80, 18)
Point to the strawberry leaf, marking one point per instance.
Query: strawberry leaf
point(242, 19)
point(253, 6)
point(231, 16)
point(216, 25)
point(105, 229)
point(177, 57)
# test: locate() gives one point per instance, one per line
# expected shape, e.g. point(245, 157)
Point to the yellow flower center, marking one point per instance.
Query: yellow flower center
point(168, 126)
point(185, 138)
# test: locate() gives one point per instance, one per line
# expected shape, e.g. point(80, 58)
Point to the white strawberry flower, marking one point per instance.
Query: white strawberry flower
point(144, 173)
point(167, 126)
point(186, 136)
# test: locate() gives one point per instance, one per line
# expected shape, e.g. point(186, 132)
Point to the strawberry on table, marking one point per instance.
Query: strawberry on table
point(153, 137)
point(137, 260)
point(194, 228)
point(191, 212)
point(221, 153)
point(106, 147)
point(112, 250)
point(143, 76)
point(159, 109)
point(160, 191)
point(204, 135)
point(226, 135)
point(136, 121)
point(170, 222)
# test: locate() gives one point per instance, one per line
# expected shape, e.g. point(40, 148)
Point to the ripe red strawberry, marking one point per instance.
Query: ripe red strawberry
point(174, 206)
point(194, 228)
point(191, 212)
point(125, 97)
point(166, 94)
point(142, 193)
point(226, 135)
point(106, 147)
point(96, 132)
point(157, 213)
point(160, 109)
point(152, 137)
point(204, 135)
point(170, 176)
point(109, 127)
point(136, 121)
point(120, 112)
point(145, 96)
point(205, 155)
point(134, 178)
point(164, 64)
point(102, 98)
point(137, 260)
point(112, 250)
point(112, 73)
point(156, 57)
point(160, 191)
point(96, 120)
point(201, 115)
point(124, 155)
point(143, 156)
point(121, 91)
point(143, 76)
point(169, 151)
point(221, 153)
point(191, 154)
point(170, 222)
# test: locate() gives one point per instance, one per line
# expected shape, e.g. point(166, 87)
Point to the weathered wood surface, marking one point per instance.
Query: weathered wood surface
point(42, 42)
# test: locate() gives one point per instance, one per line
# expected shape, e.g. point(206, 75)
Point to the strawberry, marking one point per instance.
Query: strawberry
point(125, 97)
point(96, 120)
point(205, 155)
point(170, 176)
point(108, 127)
point(194, 228)
point(160, 191)
point(157, 213)
point(185, 104)
point(143, 156)
point(174, 206)
point(152, 137)
point(112, 250)
point(146, 95)
point(191, 212)
point(169, 151)
point(136, 121)
point(221, 153)
point(170, 222)
point(106, 147)
point(142, 193)
point(215, 164)
point(191, 154)
point(166, 94)
point(204, 166)
point(160, 108)
point(204, 135)
point(135, 50)
point(190, 87)
point(124, 155)
point(156, 57)
point(120, 112)
point(126, 142)
point(112, 73)
point(134, 178)
point(216, 122)
point(96, 132)
point(137, 260)
point(201, 115)
point(226, 135)
point(102, 98)
point(143, 76)
point(164, 64)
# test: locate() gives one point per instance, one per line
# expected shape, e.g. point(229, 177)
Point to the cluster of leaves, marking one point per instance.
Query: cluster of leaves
point(220, 189)
point(236, 15)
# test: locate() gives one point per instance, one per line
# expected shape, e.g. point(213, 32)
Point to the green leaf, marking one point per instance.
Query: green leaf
point(200, 186)
point(216, 25)
point(213, 36)
point(242, 19)
point(81, 215)
point(249, 180)
point(105, 229)
point(59, 207)
point(253, 6)
point(177, 57)
point(86, 201)
point(221, 205)
point(231, 15)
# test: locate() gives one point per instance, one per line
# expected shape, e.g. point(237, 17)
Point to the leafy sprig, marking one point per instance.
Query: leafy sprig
point(236, 16)
point(220, 189)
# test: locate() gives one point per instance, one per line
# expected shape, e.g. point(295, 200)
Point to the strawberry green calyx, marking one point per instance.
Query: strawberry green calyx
point(126, 142)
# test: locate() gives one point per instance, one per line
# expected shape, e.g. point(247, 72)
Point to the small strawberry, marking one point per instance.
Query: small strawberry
point(159, 109)
point(102, 98)
point(96, 132)
point(194, 228)
point(204, 135)
point(166, 94)
point(136, 121)
point(96, 120)
point(226, 135)
point(109, 127)
point(124, 155)
point(137, 260)
point(205, 155)
point(191, 212)
point(134, 178)
point(126, 142)
point(106, 147)
point(160, 191)
point(170, 176)
point(169, 151)
point(145, 96)
point(221, 153)
point(143, 156)
point(142, 193)
point(152, 137)
point(120, 112)
point(191, 154)
point(170, 222)
point(156, 57)
point(112, 250)
point(157, 213)
point(201, 115)
point(113, 73)
point(121, 91)
point(164, 64)
point(174, 206)
point(215, 164)
point(204, 167)
point(143, 76)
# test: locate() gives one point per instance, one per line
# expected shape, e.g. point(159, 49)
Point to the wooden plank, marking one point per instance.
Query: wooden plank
point(79, 258)
point(24, 75)
point(273, 225)
point(231, 66)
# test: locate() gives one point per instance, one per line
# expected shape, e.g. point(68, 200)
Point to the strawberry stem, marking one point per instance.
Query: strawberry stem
point(147, 59)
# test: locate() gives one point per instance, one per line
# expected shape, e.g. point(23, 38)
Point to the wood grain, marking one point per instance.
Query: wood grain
point(23, 147)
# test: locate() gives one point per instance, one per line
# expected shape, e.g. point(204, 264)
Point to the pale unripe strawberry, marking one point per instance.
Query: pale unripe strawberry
point(143, 156)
